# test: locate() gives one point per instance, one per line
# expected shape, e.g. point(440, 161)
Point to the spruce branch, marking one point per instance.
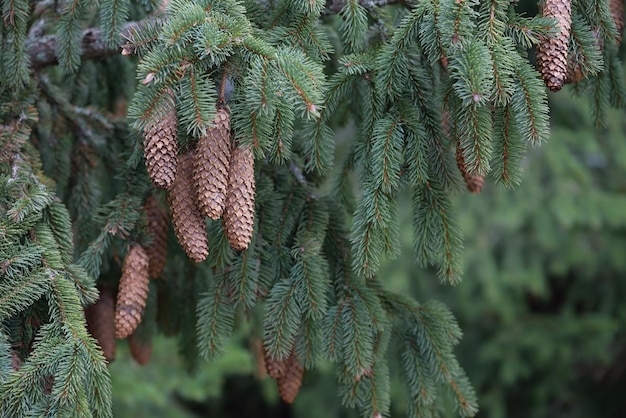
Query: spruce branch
point(94, 44)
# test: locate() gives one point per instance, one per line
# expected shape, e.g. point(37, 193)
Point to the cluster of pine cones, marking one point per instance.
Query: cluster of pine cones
point(211, 180)
point(556, 66)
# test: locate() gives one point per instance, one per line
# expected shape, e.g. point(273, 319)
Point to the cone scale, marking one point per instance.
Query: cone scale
point(211, 166)
point(161, 148)
point(132, 292)
point(552, 50)
point(158, 225)
point(101, 324)
point(186, 217)
point(238, 218)
point(291, 380)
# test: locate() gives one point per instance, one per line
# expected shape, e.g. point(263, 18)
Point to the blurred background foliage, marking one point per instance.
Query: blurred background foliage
point(541, 304)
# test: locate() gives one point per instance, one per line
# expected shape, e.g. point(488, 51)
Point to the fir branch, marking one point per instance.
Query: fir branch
point(216, 318)
point(42, 50)
point(336, 6)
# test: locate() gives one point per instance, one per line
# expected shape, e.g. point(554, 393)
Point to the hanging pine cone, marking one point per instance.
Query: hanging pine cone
point(617, 10)
point(140, 350)
point(291, 380)
point(158, 225)
point(575, 71)
point(211, 162)
point(160, 149)
point(274, 368)
point(132, 292)
point(100, 322)
point(238, 217)
point(474, 182)
point(186, 217)
point(552, 50)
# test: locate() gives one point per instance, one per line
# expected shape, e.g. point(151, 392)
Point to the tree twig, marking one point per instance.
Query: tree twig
point(42, 49)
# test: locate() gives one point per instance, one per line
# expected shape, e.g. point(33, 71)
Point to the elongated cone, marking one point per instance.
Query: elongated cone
point(100, 322)
point(211, 162)
point(132, 292)
point(274, 368)
point(617, 10)
point(256, 346)
point(552, 50)
point(575, 71)
point(474, 182)
point(291, 380)
point(160, 149)
point(186, 217)
point(238, 217)
point(158, 225)
point(140, 350)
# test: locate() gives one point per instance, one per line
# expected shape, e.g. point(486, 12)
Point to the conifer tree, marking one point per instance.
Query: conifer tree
point(308, 216)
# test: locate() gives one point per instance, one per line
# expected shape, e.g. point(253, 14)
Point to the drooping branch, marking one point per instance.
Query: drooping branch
point(42, 49)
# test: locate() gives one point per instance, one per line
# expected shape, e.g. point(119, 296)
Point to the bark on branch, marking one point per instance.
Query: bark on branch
point(42, 49)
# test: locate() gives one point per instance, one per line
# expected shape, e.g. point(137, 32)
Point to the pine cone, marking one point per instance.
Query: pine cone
point(211, 162)
point(575, 72)
point(160, 149)
point(186, 217)
point(617, 10)
point(158, 224)
point(289, 383)
point(140, 350)
point(132, 292)
point(238, 217)
point(274, 368)
point(474, 182)
point(552, 50)
point(100, 323)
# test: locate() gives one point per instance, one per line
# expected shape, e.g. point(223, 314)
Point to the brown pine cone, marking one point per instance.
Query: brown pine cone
point(474, 182)
point(140, 350)
point(617, 10)
point(552, 50)
point(186, 217)
point(158, 225)
point(575, 72)
point(238, 217)
point(274, 368)
point(100, 322)
point(160, 149)
point(291, 380)
point(211, 162)
point(132, 292)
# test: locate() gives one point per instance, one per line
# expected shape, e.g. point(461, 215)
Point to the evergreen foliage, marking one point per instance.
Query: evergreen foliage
point(417, 82)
